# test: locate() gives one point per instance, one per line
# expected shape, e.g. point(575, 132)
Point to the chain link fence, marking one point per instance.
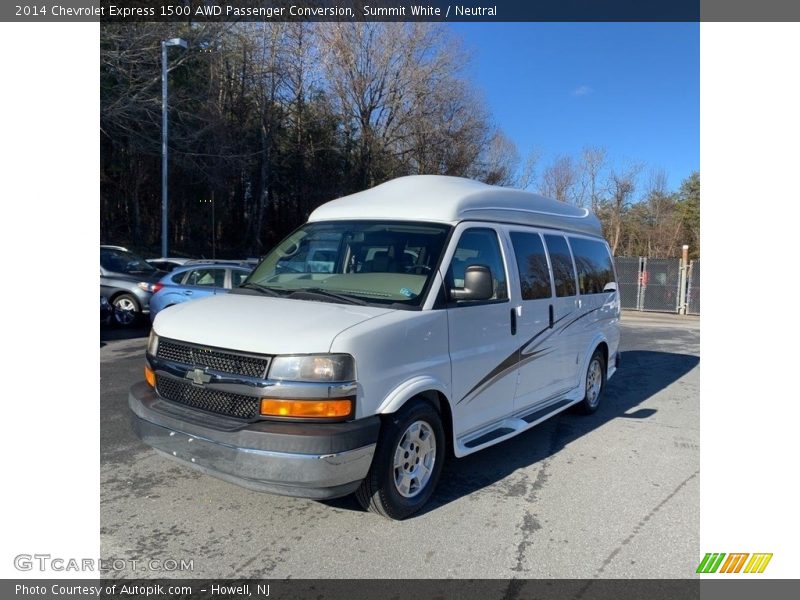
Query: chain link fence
point(629, 269)
point(658, 284)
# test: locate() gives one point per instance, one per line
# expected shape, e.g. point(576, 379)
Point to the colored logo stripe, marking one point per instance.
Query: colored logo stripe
point(758, 563)
point(733, 564)
point(710, 562)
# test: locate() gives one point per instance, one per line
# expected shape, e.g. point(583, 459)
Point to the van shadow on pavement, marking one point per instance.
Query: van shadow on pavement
point(641, 375)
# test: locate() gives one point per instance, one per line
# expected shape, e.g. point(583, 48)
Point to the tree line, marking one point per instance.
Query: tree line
point(270, 120)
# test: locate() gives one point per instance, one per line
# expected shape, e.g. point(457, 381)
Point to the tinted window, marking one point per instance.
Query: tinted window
point(207, 277)
point(238, 277)
point(479, 247)
point(563, 272)
point(534, 274)
point(122, 261)
point(593, 264)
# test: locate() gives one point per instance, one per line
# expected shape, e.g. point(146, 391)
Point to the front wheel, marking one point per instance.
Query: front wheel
point(595, 383)
point(407, 464)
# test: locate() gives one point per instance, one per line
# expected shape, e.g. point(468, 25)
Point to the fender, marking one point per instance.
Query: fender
point(596, 341)
point(407, 390)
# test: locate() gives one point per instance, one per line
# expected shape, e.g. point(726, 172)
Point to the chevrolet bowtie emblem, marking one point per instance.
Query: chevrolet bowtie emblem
point(198, 376)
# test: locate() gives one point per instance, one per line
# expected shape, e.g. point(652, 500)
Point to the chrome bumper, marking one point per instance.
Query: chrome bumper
point(315, 475)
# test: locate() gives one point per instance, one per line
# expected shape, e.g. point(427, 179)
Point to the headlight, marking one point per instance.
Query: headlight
point(323, 367)
point(152, 344)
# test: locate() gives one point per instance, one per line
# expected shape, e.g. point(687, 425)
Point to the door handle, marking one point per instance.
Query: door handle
point(552, 317)
point(513, 321)
point(187, 292)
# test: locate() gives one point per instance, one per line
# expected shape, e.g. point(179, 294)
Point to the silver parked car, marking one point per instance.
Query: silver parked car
point(127, 281)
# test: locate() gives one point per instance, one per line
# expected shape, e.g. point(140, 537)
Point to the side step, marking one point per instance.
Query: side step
point(511, 426)
point(538, 414)
point(488, 437)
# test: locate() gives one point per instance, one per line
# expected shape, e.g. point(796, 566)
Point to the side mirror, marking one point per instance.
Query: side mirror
point(478, 284)
point(611, 286)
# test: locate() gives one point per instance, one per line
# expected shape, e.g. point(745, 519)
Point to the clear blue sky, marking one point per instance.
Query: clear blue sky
point(633, 88)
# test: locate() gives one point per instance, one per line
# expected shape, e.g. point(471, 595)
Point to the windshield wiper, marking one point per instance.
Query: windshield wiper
point(249, 285)
point(315, 291)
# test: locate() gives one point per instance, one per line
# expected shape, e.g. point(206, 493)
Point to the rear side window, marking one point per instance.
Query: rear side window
point(207, 277)
point(593, 264)
point(479, 247)
point(563, 271)
point(534, 274)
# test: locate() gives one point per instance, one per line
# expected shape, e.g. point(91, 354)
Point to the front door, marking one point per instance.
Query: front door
point(483, 349)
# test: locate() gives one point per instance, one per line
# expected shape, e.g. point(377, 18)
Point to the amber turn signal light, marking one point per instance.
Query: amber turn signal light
point(317, 409)
point(149, 376)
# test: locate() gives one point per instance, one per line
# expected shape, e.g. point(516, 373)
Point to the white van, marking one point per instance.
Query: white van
point(426, 315)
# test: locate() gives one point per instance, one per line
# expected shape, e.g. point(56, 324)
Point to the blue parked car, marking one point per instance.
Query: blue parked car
point(194, 281)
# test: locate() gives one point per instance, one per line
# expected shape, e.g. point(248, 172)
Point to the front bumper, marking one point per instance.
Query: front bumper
point(319, 460)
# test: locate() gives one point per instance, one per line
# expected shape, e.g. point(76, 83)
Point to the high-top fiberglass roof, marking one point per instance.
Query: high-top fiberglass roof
point(444, 199)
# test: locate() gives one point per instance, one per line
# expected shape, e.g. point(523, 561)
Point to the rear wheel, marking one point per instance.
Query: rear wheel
point(595, 383)
point(126, 310)
point(407, 464)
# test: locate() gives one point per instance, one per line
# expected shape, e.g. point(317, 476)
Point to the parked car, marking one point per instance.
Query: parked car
point(167, 264)
point(106, 311)
point(220, 261)
point(426, 313)
point(195, 281)
point(127, 281)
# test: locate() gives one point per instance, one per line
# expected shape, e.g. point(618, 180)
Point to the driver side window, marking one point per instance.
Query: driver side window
point(479, 246)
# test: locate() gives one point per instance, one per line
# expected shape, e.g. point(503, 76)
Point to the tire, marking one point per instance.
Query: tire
point(595, 384)
point(393, 487)
point(126, 310)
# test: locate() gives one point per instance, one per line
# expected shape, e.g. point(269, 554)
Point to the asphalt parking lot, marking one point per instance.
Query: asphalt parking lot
point(613, 495)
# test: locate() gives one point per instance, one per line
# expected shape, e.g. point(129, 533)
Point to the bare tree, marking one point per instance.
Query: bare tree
point(499, 161)
point(559, 179)
point(621, 186)
point(449, 132)
point(527, 174)
point(384, 76)
point(593, 161)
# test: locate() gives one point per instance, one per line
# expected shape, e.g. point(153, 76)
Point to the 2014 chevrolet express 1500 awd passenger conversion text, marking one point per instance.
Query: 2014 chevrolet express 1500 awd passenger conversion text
point(424, 314)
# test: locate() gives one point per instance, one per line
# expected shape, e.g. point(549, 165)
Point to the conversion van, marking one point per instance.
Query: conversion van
point(424, 317)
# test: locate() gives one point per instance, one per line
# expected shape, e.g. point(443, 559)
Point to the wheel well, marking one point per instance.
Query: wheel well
point(442, 405)
point(603, 347)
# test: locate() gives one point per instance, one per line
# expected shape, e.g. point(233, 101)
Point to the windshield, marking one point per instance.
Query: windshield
point(120, 261)
point(376, 262)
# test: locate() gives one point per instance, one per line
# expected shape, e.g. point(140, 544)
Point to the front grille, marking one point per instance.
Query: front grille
point(210, 400)
point(225, 362)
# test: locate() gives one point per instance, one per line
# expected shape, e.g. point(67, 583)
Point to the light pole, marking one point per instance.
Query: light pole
point(213, 226)
point(164, 196)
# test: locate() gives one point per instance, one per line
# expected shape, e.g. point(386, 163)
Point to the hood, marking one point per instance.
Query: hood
point(260, 324)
